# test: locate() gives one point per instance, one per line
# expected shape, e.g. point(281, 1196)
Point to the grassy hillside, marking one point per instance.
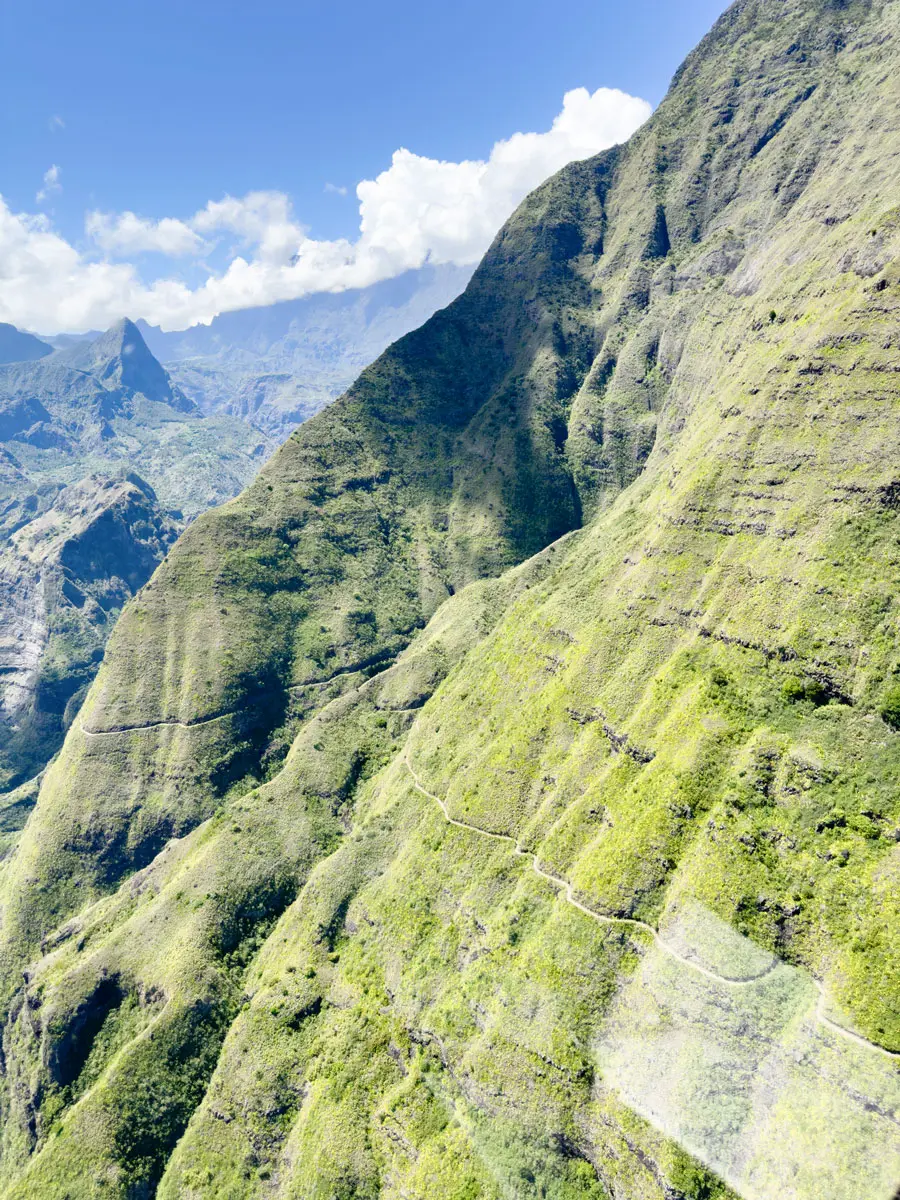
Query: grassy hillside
point(601, 561)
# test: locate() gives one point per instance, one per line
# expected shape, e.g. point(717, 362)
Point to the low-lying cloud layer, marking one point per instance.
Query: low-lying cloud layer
point(418, 210)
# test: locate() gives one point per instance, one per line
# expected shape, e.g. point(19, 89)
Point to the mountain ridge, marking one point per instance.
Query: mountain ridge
point(16, 346)
point(277, 366)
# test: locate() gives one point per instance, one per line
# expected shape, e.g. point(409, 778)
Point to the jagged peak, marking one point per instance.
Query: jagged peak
point(120, 355)
point(124, 341)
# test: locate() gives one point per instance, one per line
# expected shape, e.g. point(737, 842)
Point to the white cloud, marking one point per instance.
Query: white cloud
point(418, 210)
point(51, 184)
point(448, 212)
point(56, 122)
point(334, 189)
point(125, 233)
point(260, 219)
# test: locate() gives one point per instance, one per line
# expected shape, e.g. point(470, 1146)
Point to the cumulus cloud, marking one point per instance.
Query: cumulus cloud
point(121, 234)
point(51, 184)
point(418, 210)
point(261, 220)
point(448, 212)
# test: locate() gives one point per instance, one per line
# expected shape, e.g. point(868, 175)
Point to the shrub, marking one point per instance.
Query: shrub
point(890, 706)
point(795, 689)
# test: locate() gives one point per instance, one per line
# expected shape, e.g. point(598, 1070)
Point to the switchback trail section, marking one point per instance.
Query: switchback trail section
point(641, 926)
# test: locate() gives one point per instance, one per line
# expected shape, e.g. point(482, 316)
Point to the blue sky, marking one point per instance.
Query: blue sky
point(159, 109)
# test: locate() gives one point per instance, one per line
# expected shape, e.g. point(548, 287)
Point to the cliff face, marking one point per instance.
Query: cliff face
point(64, 577)
point(535, 705)
point(72, 423)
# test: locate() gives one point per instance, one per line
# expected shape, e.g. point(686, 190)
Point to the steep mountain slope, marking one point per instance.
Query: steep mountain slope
point(277, 366)
point(441, 465)
point(64, 576)
point(537, 704)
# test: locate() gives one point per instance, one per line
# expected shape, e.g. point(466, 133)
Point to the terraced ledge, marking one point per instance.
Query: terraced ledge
point(635, 925)
point(620, 742)
point(165, 724)
point(388, 656)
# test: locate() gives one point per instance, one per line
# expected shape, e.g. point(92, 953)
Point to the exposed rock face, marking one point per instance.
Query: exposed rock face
point(64, 577)
point(526, 734)
point(24, 636)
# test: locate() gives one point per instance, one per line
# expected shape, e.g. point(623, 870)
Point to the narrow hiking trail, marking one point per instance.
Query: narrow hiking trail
point(555, 881)
point(169, 723)
point(176, 723)
point(641, 926)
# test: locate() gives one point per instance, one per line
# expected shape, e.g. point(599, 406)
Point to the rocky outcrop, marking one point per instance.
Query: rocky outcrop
point(64, 576)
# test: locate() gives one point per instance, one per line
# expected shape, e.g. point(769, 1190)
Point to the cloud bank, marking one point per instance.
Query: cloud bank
point(417, 211)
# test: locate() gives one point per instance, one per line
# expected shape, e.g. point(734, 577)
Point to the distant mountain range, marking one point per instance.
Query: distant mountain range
point(16, 346)
point(107, 405)
point(276, 366)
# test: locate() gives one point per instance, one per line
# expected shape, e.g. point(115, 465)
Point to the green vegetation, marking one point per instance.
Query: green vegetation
point(890, 706)
point(243, 956)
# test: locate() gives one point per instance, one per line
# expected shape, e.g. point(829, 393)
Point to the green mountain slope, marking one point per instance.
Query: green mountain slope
point(602, 562)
